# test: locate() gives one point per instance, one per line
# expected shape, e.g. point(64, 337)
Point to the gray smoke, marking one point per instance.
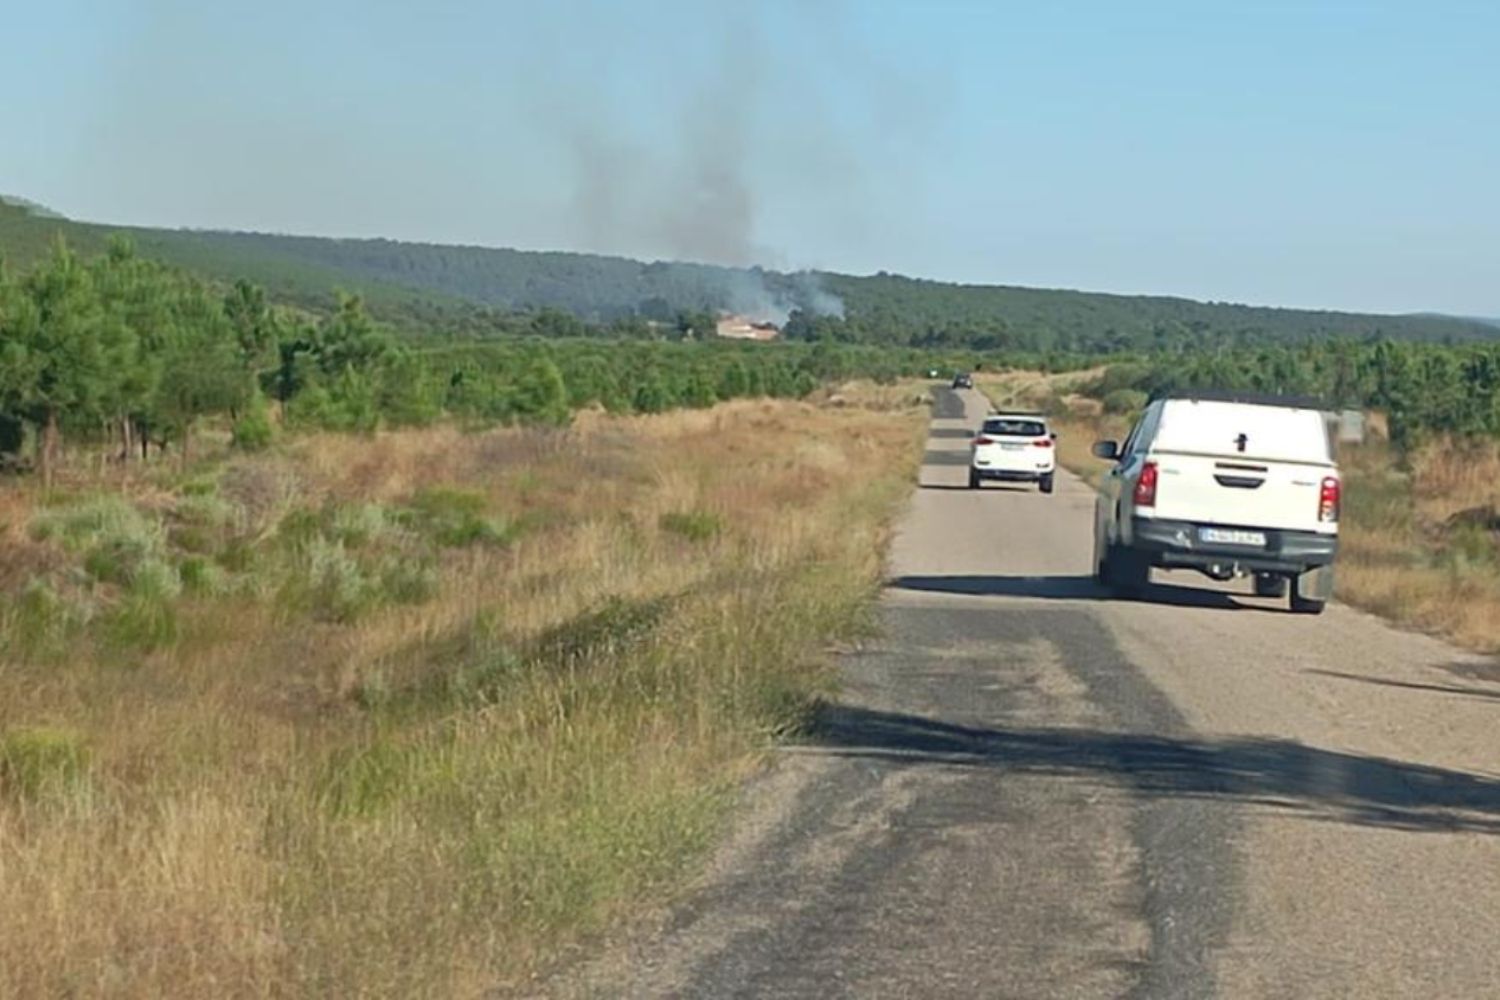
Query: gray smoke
point(693, 198)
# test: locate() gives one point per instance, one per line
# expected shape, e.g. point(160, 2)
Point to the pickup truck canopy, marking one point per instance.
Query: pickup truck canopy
point(1275, 433)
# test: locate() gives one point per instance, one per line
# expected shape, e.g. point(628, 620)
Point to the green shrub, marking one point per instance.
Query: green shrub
point(696, 525)
point(619, 624)
point(405, 580)
point(39, 763)
point(237, 556)
point(358, 525)
point(39, 621)
point(455, 518)
point(363, 782)
point(1125, 401)
point(146, 619)
point(1130, 375)
point(106, 520)
point(253, 431)
point(200, 576)
point(328, 583)
point(208, 509)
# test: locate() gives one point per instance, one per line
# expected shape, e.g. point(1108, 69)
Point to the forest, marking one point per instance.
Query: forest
point(456, 291)
point(115, 346)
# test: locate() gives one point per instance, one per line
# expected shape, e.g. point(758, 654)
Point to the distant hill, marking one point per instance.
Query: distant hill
point(419, 286)
point(40, 211)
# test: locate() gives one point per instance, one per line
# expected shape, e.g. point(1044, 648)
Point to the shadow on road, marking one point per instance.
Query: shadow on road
point(1069, 588)
point(945, 458)
point(1322, 784)
point(951, 432)
point(1467, 692)
point(987, 487)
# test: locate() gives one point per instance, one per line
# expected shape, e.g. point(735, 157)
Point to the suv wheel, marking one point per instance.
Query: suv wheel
point(1046, 483)
point(973, 479)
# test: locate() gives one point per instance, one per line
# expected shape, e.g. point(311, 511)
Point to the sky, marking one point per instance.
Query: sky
point(1312, 154)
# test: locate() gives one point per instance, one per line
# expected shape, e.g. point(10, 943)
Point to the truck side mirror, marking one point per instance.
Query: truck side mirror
point(1109, 450)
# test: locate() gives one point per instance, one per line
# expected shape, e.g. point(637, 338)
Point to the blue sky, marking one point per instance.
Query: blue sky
point(1340, 155)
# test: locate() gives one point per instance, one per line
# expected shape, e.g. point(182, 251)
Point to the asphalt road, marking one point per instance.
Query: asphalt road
point(1028, 789)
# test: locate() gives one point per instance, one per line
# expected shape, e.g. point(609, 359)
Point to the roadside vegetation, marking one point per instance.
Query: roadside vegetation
point(1420, 532)
point(400, 714)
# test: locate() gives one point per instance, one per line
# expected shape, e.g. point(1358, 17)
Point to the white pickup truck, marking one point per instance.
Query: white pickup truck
point(1229, 484)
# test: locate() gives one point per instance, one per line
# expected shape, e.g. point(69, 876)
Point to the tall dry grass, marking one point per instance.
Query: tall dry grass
point(421, 772)
point(1419, 541)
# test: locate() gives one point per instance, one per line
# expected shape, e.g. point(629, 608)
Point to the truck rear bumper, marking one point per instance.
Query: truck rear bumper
point(1178, 544)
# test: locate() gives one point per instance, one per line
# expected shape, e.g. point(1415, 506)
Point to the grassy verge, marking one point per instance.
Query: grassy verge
point(399, 715)
point(1420, 537)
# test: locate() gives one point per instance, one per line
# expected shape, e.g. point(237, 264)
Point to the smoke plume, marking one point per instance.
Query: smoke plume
point(694, 197)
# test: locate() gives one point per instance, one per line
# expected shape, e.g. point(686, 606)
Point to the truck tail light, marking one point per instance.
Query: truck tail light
point(1328, 500)
point(1145, 486)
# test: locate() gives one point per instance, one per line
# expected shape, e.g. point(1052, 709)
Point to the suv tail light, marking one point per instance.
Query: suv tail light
point(981, 439)
point(1328, 500)
point(1042, 443)
point(1145, 486)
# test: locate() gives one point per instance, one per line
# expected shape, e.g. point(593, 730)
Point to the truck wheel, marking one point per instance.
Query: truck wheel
point(1311, 591)
point(1046, 483)
point(973, 480)
point(1126, 572)
point(1307, 606)
point(1270, 585)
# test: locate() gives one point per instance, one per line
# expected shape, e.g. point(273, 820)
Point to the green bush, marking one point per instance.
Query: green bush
point(359, 525)
point(694, 525)
point(115, 537)
point(39, 763)
point(39, 621)
point(146, 618)
point(1125, 401)
point(200, 577)
point(106, 519)
point(253, 431)
point(455, 518)
point(328, 583)
point(405, 580)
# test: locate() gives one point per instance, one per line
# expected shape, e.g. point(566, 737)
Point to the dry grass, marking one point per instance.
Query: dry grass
point(426, 797)
point(1419, 541)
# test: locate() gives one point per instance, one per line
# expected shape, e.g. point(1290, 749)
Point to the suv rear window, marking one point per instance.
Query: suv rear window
point(1016, 428)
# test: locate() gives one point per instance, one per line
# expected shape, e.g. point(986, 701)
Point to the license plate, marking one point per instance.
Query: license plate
point(1007, 446)
point(1232, 536)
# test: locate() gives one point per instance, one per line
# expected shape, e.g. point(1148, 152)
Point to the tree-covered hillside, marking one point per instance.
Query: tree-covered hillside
point(425, 288)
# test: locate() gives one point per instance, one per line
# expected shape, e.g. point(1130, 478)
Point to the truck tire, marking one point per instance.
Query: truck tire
point(1307, 606)
point(1126, 573)
point(1270, 585)
point(1311, 591)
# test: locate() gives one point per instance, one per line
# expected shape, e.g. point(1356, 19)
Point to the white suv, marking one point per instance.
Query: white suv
point(1229, 484)
point(1014, 447)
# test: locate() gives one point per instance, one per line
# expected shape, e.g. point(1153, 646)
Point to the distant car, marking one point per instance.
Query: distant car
point(1228, 484)
point(963, 380)
point(1015, 448)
